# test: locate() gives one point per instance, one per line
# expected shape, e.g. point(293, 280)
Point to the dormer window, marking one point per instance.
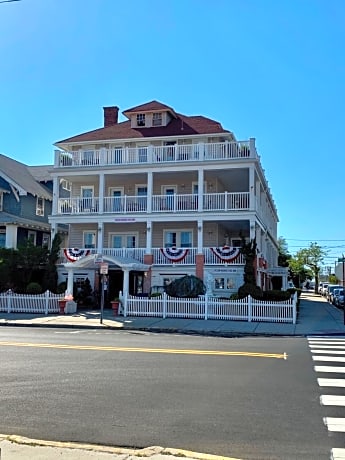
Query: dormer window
point(141, 119)
point(157, 119)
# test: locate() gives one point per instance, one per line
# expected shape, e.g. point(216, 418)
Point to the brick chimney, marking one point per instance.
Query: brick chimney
point(110, 116)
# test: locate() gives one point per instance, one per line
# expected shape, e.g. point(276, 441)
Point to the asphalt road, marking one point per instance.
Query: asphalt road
point(226, 396)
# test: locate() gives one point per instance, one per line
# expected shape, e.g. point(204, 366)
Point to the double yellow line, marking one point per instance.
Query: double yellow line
point(175, 351)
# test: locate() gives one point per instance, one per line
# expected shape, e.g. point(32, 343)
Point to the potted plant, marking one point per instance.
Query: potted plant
point(115, 304)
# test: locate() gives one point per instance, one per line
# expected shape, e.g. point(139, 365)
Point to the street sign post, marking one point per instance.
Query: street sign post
point(103, 270)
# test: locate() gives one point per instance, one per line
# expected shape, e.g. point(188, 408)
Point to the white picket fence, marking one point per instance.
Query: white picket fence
point(45, 303)
point(205, 307)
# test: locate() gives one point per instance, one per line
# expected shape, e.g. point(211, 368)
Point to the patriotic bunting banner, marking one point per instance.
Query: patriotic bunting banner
point(226, 253)
point(174, 254)
point(74, 254)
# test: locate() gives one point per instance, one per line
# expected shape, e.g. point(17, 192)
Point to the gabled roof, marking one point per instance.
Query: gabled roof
point(19, 176)
point(153, 106)
point(41, 173)
point(181, 125)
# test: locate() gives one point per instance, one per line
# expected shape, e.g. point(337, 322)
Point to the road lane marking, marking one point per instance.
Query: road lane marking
point(147, 350)
point(341, 370)
point(330, 347)
point(334, 352)
point(338, 359)
point(335, 423)
point(332, 400)
point(337, 383)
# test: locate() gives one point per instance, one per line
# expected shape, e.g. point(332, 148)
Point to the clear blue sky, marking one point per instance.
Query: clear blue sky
point(269, 69)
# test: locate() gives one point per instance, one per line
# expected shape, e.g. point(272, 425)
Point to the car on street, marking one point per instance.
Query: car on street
point(329, 291)
point(324, 288)
point(338, 298)
point(334, 294)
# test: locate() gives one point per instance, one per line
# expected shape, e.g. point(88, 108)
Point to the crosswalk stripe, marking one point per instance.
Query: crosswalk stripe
point(341, 370)
point(338, 359)
point(331, 347)
point(335, 423)
point(332, 400)
point(333, 352)
point(337, 454)
point(324, 342)
point(338, 383)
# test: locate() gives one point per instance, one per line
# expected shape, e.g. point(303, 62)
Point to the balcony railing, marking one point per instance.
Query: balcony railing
point(156, 154)
point(159, 203)
point(159, 258)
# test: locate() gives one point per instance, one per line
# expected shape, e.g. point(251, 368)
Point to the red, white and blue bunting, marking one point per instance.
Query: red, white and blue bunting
point(226, 253)
point(74, 254)
point(174, 254)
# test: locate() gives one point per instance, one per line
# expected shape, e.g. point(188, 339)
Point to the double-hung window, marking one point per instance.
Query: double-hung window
point(178, 238)
point(39, 206)
point(89, 238)
point(140, 119)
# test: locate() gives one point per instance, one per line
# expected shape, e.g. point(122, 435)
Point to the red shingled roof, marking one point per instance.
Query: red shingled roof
point(152, 106)
point(182, 125)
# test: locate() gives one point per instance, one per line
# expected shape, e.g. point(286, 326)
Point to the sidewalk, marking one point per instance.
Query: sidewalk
point(316, 317)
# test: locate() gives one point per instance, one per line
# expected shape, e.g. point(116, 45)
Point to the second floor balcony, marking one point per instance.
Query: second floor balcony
point(153, 154)
point(176, 203)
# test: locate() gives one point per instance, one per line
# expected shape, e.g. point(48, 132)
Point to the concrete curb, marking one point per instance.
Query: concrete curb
point(146, 452)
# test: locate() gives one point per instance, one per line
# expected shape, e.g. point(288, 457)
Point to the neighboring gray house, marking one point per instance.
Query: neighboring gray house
point(25, 203)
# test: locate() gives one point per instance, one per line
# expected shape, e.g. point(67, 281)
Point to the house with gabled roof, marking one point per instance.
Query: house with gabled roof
point(25, 203)
point(161, 195)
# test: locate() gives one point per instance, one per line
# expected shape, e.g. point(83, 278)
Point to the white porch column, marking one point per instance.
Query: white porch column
point(200, 236)
point(201, 190)
point(100, 232)
point(125, 286)
point(11, 236)
point(53, 232)
point(251, 189)
point(148, 237)
point(69, 289)
point(252, 231)
point(101, 194)
point(56, 186)
point(149, 191)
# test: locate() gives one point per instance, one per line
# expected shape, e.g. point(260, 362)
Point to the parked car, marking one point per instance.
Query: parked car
point(320, 287)
point(337, 294)
point(324, 288)
point(334, 293)
point(339, 301)
point(329, 291)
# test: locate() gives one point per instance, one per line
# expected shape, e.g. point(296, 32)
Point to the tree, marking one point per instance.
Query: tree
point(283, 252)
point(248, 250)
point(312, 258)
point(50, 276)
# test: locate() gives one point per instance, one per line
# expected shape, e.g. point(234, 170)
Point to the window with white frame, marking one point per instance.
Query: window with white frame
point(32, 237)
point(66, 185)
point(39, 206)
point(2, 237)
point(123, 240)
point(157, 119)
point(140, 119)
point(89, 239)
point(178, 238)
point(46, 240)
point(1, 201)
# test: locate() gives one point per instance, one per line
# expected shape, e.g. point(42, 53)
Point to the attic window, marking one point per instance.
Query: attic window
point(141, 119)
point(157, 119)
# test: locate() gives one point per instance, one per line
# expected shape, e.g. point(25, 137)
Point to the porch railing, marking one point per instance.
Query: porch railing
point(156, 154)
point(205, 307)
point(159, 258)
point(125, 204)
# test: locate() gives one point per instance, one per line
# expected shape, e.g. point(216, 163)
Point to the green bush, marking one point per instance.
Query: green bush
point(250, 289)
point(61, 288)
point(33, 288)
point(277, 295)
